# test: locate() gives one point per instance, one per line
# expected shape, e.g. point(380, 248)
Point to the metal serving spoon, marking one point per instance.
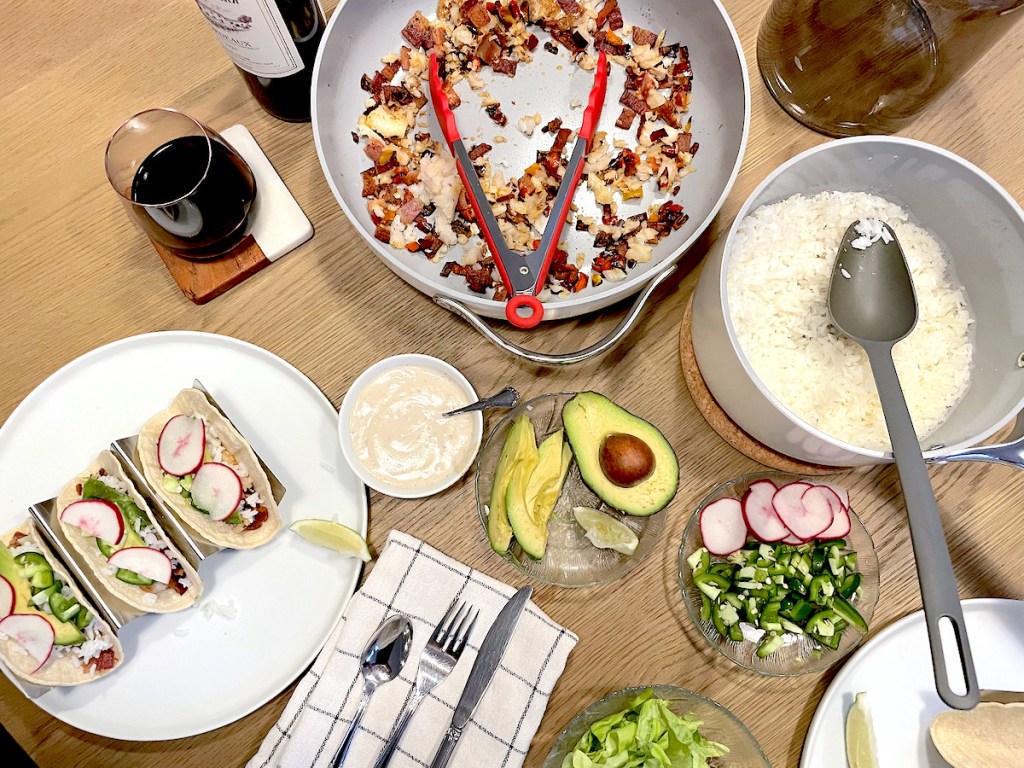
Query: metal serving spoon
point(382, 660)
point(504, 399)
point(871, 299)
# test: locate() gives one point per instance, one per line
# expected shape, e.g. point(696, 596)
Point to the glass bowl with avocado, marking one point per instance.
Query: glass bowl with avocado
point(778, 573)
point(569, 488)
point(657, 722)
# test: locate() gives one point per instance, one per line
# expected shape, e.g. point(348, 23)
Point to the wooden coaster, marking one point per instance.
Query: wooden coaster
point(202, 281)
point(277, 226)
point(719, 420)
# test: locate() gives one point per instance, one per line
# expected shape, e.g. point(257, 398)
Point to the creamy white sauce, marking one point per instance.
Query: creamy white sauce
point(399, 434)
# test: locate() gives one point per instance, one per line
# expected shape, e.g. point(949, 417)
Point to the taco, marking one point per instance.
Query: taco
point(207, 473)
point(110, 525)
point(49, 634)
point(989, 736)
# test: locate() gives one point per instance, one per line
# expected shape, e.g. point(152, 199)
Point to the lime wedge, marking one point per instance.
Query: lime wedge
point(860, 735)
point(604, 531)
point(336, 536)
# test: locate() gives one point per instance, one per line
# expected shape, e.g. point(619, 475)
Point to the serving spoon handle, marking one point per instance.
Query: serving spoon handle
point(939, 594)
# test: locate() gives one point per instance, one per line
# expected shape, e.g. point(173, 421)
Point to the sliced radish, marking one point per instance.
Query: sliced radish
point(6, 598)
point(759, 514)
point(31, 632)
point(840, 527)
point(822, 501)
point(181, 445)
point(805, 522)
point(217, 490)
point(145, 561)
point(842, 493)
point(96, 517)
point(796, 541)
point(722, 527)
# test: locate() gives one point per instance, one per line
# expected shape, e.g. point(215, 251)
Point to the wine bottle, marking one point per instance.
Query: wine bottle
point(273, 44)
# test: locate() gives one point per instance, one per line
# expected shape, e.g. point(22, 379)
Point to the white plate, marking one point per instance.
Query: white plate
point(186, 673)
point(895, 670)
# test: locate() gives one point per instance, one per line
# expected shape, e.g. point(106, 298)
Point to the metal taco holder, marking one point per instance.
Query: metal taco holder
point(194, 547)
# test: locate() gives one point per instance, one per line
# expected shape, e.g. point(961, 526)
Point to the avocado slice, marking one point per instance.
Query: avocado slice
point(65, 633)
point(515, 494)
point(519, 443)
point(589, 420)
point(529, 516)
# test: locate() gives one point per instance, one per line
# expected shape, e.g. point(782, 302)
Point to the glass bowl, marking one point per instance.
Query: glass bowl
point(570, 560)
point(803, 656)
point(719, 724)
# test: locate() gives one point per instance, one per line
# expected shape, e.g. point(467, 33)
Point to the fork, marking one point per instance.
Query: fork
point(439, 657)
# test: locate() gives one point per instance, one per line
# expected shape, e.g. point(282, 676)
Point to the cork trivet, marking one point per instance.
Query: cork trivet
point(719, 421)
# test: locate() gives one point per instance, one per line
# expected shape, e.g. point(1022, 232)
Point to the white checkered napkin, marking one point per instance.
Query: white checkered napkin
point(414, 579)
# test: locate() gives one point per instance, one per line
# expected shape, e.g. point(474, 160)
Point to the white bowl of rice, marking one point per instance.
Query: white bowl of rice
point(761, 331)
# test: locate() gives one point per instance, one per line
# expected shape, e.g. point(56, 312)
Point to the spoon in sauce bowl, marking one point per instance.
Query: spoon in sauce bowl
point(507, 398)
point(871, 299)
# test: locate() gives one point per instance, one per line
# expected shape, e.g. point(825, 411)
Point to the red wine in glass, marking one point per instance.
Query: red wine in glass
point(185, 186)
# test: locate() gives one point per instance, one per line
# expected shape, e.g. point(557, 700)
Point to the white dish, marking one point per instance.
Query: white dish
point(190, 672)
point(895, 670)
point(348, 405)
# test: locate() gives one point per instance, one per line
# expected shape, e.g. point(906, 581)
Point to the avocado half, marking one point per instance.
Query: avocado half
point(588, 419)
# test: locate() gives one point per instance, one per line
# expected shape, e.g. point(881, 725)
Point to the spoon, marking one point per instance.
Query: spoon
point(504, 399)
point(382, 660)
point(871, 299)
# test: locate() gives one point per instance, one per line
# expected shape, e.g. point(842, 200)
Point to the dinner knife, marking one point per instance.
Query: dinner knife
point(487, 660)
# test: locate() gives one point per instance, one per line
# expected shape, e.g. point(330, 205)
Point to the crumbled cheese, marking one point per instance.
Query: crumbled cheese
point(113, 482)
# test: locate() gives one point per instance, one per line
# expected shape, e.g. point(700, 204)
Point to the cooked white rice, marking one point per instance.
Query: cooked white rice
point(778, 279)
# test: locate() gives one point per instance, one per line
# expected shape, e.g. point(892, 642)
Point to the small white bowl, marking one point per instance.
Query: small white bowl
point(348, 404)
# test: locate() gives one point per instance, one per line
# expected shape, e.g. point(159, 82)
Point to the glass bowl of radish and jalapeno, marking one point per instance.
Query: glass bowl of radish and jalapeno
point(778, 572)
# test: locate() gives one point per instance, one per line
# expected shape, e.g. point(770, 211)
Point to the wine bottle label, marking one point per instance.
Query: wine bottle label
point(255, 36)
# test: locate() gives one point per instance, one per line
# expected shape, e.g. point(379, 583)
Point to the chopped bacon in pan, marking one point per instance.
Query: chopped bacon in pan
point(573, 40)
point(643, 36)
point(404, 59)
point(553, 126)
point(479, 150)
point(384, 77)
point(605, 12)
point(505, 66)
point(410, 210)
point(571, 8)
point(488, 51)
point(611, 43)
point(625, 119)
point(418, 32)
point(615, 18)
point(475, 13)
point(370, 185)
point(494, 112)
point(550, 47)
point(634, 101)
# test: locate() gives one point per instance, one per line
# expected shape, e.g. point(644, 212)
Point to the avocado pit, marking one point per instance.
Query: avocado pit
point(625, 459)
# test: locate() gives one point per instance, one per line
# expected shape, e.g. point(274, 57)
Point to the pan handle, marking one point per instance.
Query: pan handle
point(565, 358)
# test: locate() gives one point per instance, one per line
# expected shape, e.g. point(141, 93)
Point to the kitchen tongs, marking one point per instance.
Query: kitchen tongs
point(522, 273)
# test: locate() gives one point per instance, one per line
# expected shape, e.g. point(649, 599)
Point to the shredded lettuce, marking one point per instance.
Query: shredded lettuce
point(646, 735)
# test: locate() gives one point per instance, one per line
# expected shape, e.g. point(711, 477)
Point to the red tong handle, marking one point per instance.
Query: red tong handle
point(595, 103)
point(445, 116)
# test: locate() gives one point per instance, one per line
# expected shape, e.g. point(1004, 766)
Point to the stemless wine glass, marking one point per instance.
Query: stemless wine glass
point(184, 185)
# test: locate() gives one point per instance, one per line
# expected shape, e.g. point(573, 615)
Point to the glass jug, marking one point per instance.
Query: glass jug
point(849, 67)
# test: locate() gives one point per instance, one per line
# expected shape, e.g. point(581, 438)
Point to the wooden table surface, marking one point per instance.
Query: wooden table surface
point(77, 274)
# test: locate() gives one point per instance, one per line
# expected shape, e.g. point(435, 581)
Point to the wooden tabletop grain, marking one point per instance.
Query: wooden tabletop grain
point(76, 274)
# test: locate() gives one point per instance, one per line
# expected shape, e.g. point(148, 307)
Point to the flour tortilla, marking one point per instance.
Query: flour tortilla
point(167, 600)
point(67, 669)
point(989, 736)
point(192, 402)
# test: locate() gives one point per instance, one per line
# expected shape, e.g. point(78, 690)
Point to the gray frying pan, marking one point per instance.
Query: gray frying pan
point(361, 32)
